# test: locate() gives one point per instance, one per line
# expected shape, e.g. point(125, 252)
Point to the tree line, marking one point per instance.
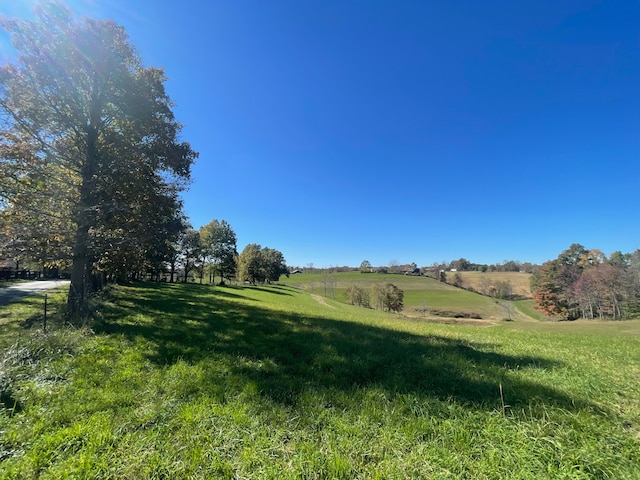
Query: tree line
point(211, 252)
point(460, 265)
point(585, 283)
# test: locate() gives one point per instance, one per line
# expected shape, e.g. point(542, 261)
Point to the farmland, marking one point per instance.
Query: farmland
point(424, 296)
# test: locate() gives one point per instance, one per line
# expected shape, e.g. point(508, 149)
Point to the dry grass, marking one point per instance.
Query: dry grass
point(519, 281)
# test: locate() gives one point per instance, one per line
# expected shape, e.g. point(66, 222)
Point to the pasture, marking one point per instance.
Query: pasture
point(190, 381)
point(424, 297)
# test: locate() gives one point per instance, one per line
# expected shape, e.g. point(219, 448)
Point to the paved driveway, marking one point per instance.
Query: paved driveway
point(24, 289)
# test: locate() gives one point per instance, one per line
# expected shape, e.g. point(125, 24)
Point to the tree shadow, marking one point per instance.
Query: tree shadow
point(286, 353)
point(273, 289)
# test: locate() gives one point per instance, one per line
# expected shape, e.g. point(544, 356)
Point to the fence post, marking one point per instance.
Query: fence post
point(45, 312)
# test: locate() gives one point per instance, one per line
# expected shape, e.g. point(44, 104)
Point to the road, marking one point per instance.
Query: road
point(24, 289)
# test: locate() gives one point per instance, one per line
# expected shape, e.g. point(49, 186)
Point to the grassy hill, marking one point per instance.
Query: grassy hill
point(520, 282)
point(423, 296)
point(189, 381)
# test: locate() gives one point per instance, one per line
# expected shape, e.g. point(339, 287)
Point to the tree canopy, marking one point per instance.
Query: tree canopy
point(259, 265)
point(85, 126)
point(585, 283)
point(220, 248)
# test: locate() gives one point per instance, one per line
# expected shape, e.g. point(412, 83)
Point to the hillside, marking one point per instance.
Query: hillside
point(189, 381)
point(424, 296)
point(479, 281)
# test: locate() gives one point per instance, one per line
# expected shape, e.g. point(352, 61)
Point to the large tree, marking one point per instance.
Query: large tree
point(219, 244)
point(258, 265)
point(78, 98)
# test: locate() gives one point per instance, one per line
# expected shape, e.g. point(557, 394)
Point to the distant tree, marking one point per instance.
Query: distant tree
point(394, 267)
point(330, 282)
point(376, 295)
point(161, 251)
point(618, 258)
point(528, 267)
point(461, 265)
point(510, 266)
point(434, 270)
point(274, 264)
point(457, 280)
point(219, 244)
point(190, 252)
point(259, 265)
point(388, 297)
point(485, 287)
point(365, 267)
point(356, 295)
point(549, 292)
point(249, 265)
point(35, 224)
point(602, 291)
point(13, 242)
point(503, 289)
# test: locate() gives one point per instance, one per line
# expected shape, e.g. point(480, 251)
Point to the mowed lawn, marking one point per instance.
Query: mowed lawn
point(189, 381)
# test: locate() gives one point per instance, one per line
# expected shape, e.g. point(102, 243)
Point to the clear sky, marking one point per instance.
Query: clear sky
point(415, 131)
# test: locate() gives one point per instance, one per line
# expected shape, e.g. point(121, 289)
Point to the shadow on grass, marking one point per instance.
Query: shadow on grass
point(273, 289)
point(283, 353)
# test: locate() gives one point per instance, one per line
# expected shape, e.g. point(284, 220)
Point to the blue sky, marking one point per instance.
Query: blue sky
point(413, 131)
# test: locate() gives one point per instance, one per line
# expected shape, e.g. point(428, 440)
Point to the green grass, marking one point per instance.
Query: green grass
point(526, 307)
point(188, 381)
point(420, 293)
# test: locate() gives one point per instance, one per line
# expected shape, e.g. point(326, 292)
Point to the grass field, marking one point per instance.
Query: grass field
point(423, 296)
point(189, 381)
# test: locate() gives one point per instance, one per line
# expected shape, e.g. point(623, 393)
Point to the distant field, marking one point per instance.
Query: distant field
point(520, 282)
point(200, 382)
point(423, 295)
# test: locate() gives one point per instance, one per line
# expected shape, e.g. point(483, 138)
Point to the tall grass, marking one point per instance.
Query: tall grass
point(188, 381)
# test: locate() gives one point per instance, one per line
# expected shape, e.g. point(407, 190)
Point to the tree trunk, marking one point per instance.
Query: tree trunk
point(82, 260)
point(79, 268)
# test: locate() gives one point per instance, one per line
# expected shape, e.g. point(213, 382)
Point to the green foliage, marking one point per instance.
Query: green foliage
point(218, 241)
point(191, 252)
point(82, 113)
point(366, 267)
point(259, 265)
